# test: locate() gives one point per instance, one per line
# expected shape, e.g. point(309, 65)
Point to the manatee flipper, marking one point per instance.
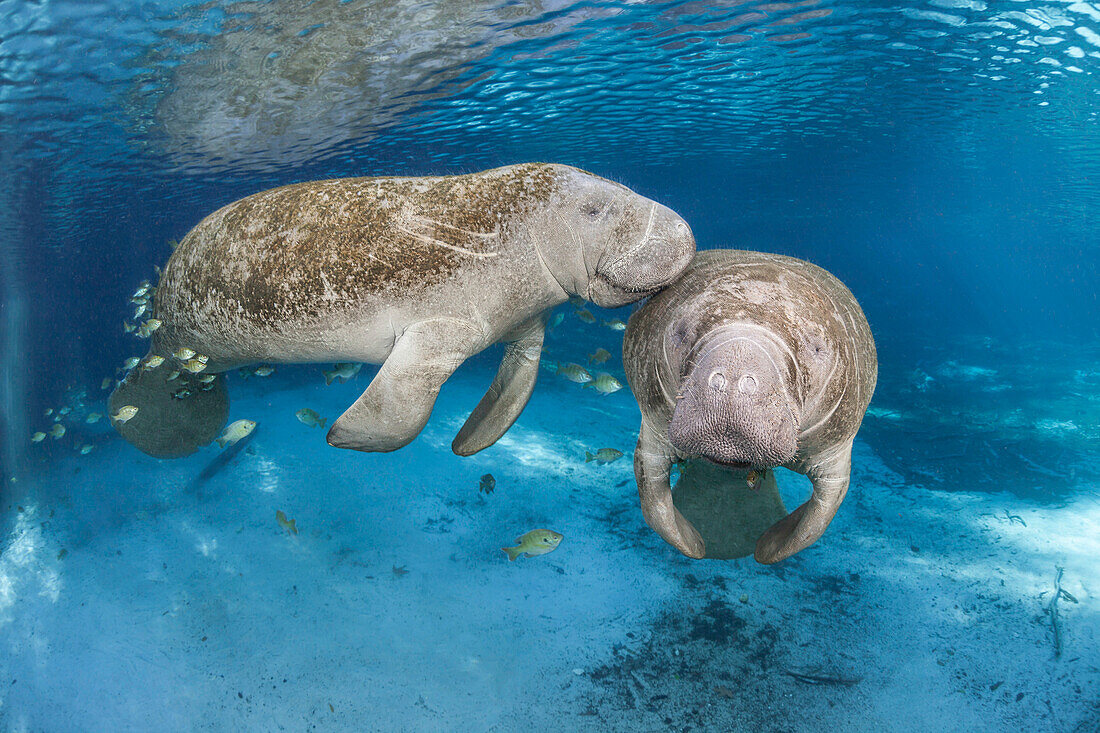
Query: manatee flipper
point(508, 394)
point(802, 527)
point(166, 426)
point(397, 403)
point(652, 464)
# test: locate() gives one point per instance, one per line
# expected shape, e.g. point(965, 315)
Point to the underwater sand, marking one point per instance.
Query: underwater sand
point(180, 603)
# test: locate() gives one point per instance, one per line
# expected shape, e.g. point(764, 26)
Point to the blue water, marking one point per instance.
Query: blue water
point(941, 158)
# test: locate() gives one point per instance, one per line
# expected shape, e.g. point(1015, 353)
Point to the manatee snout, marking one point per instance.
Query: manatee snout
point(657, 245)
point(734, 409)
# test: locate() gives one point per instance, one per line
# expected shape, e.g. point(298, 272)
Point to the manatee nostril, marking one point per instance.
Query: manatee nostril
point(747, 385)
point(717, 381)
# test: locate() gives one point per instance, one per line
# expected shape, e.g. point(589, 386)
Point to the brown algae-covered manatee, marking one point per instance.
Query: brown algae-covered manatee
point(750, 361)
point(415, 274)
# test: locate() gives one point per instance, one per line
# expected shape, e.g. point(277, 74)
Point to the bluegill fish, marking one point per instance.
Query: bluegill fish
point(574, 372)
point(586, 316)
point(308, 417)
point(605, 384)
point(343, 372)
point(488, 483)
point(535, 542)
point(603, 456)
point(599, 356)
point(124, 413)
point(615, 324)
point(235, 431)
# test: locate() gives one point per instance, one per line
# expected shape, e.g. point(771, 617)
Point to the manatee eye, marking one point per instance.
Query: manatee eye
point(593, 208)
point(747, 385)
point(717, 381)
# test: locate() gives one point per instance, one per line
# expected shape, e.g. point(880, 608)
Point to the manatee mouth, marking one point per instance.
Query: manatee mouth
point(743, 465)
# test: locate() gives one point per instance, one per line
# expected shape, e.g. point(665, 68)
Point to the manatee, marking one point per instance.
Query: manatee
point(415, 274)
point(749, 361)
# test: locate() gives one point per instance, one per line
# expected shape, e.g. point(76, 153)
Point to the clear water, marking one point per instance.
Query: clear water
point(942, 158)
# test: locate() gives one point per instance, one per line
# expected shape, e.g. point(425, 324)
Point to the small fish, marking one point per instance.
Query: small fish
point(208, 378)
point(599, 357)
point(586, 316)
point(65, 410)
point(574, 372)
point(288, 524)
point(152, 362)
point(57, 431)
point(106, 383)
point(488, 483)
point(207, 386)
point(49, 411)
point(535, 542)
point(182, 393)
point(264, 371)
point(183, 353)
point(86, 449)
point(603, 456)
point(173, 375)
point(202, 357)
point(194, 365)
point(173, 243)
point(61, 555)
point(93, 418)
point(615, 324)
point(343, 372)
point(605, 384)
point(38, 437)
point(755, 478)
point(124, 413)
point(556, 320)
point(235, 431)
point(140, 311)
point(130, 363)
point(308, 417)
point(577, 301)
point(146, 329)
point(128, 327)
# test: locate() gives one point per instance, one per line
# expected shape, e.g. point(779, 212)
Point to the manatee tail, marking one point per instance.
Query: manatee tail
point(513, 552)
point(173, 418)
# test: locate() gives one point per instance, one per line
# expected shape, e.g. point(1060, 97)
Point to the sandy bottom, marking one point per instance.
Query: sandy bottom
point(138, 594)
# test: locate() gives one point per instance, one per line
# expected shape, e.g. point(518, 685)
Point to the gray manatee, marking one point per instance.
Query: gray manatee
point(415, 274)
point(750, 361)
